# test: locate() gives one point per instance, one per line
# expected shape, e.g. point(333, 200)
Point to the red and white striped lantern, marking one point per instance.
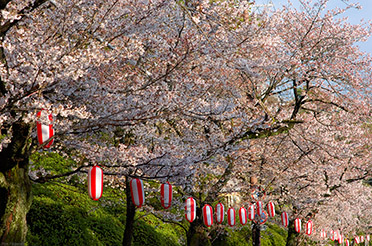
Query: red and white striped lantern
point(340, 238)
point(362, 239)
point(190, 209)
point(231, 217)
point(297, 225)
point(44, 132)
point(336, 235)
point(285, 219)
point(309, 227)
point(137, 192)
point(357, 239)
point(166, 195)
point(347, 242)
point(95, 182)
point(323, 234)
point(220, 213)
point(271, 209)
point(259, 207)
point(208, 215)
point(251, 212)
point(243, 216)
point(332, 235)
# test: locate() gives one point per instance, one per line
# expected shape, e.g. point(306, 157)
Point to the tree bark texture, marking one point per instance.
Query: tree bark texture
point(256, 234)
point(292, 239)
point(131, 212)
point(197, 234)
point(15, 186)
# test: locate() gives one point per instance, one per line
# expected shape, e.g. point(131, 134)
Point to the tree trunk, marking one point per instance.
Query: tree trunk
point(292, 234)
point(193, 239)
point(131, 212)
point(193, 236)
point(256, 234)
point(197, 234)
point(15, 186)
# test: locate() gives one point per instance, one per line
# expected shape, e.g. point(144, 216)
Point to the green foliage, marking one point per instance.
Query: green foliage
point(51, 162)
point(151, 231)
point(61, 215)
point(273, 235)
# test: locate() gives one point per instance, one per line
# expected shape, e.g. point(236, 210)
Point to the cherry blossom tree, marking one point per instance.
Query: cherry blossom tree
point(152, 89)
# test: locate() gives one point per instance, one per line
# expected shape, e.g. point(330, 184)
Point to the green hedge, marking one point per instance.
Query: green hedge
point(62, 214)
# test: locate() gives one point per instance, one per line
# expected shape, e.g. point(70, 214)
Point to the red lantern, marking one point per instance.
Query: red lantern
point(323, 234)
point(336, 235)
point(231, 217)
point(271, 209)
point(44, 132)
point(190, 208)
point(357, 240)
point(309, 227)
point(251, 212)
point(208, 215)
point(285, 219)
point(259, 208)
point(347, 242)
point(95, 182)
point(297, 225)
point(220, 213)
point(340, 239)
point(332, 235)
point(137, 192)
point(166, 195)
point(362, 239)
point(243, 216)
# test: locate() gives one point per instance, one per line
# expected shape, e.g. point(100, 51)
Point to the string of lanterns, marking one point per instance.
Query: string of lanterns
point(255, 212)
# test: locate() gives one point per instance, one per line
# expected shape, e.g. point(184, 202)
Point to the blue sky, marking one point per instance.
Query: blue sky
point(354, 15)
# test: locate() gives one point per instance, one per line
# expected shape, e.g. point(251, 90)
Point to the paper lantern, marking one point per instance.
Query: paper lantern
point(95, 182)
point(220, 213)
point(356, 239)
point(260, 219)
point(243, 216)
point(340, 238)
point(258, 194)
point(309, 227)
point(332, 235)
point(44, 132)
point(297, 225)
point(190, 209)
point(323, 234)
point(362, 239)
point(259, 207)
point(208, 215)
point(368, 237)
point(166, 195)
point(137, 192)
point(336, 235)
point(271, 209)
point(285, 219)
point(347, 242)
point(231, 217)
point(251, 212)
